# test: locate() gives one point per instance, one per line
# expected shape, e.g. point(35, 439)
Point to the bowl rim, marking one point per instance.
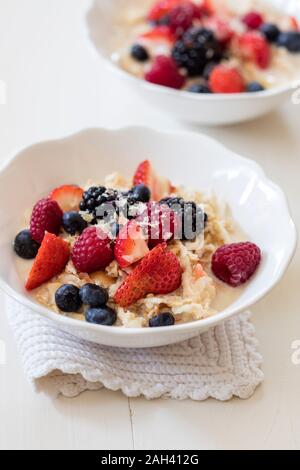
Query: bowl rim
point(178, 94)
point(185, 327)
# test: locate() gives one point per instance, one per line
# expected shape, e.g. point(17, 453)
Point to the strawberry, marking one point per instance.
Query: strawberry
point(254, 46)
point(92, 251)
point(158, 185)
point(159, 33)
point(46, 217)
point(159, 223)
point(220, 27)
point(51, 259)
point(68, 197)
point(225, 79)
point(158, 273)
point(161, 8)
point(131, 245)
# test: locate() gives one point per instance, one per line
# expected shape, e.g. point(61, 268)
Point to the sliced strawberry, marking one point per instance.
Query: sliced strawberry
point(158, 273)
point(161, 9)
point(159, 223)
point(220, 27)
point(131, 245)
point(158, 185)
point(68, 197)
point(159, 33)
point(51, 259)
point(294, 24)
point(254, 46)
point(207, 7)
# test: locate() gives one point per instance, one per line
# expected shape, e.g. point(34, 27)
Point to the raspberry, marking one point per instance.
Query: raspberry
point(92, 251)
point(234, 264)
point(46, 216)
point(253, 20)
point(164, 72)
point(224, 79)
point(254, 46)
point(180, 19)
point(158, 273)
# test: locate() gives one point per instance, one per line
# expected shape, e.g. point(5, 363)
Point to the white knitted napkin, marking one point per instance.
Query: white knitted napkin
point(220, 363)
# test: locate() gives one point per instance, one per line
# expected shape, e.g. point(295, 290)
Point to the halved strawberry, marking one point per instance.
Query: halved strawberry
point(51, 259)
point(162, 8)
point(131, 245)
point(68, 197)
point(158, 185)
point(159, 273)
point(159, 223)
point(254, 46)
point(159, 33)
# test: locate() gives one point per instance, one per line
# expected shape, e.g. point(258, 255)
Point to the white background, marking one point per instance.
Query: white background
point(56, 85)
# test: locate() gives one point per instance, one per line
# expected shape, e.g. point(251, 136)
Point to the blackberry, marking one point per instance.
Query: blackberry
point(193, 219)
point(196, 49)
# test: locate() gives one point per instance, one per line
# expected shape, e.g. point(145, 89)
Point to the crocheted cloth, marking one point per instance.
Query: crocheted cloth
point(220, 363)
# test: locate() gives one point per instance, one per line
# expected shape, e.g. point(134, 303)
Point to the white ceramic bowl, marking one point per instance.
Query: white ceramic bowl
point(190, 159)
point(201, 109)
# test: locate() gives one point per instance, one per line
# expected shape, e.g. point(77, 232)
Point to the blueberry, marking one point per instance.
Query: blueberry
point(199, 88)
point(254, 87)
point(67, 298)
point(208, 70)
point(162, 319)
point(101, 316)
point(24, 246)
point(289, 40)
point(93, 295)
point(270, 31)
point(140, 193)
point(139, 53)
point(73, 223)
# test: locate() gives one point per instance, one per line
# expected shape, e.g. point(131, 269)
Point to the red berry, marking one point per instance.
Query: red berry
point(159, 223)
point(164, 72)
point(92, 251)
point(181, 17)
point(46, 217)
point(160, 33)
point(51, 259)
point(220, 28)
point(224, 79)
point(234, 264)
point(68, 197)
point(161, 8)
point(158, 273)
point(254, 46)
point(253, 20)
point(131, 245)
point(158, 185)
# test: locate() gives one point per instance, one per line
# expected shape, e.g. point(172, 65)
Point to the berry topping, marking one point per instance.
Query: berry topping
point(162, 319)
point(68, 197)
point(196, 49)
point(199, 88)
point(159, 33)
point(139, 53)
point(253, 20)
point(191, 218)
point(221, 29)
point(51, 259)
point(92, 251)
point(146, 175)
point(181, 17)
point(159, 223)
point(101, 316)
point(158, 273)
point(94, 295)
point(67, 298)
point(234, 264)
point(25, 246)
point(254, 87)
point(131, 245)
point(46, 216)
point(162, 8)
point(73, 223)
point(254, 46)
point(290, 40)
point(164, 72)
point(140, 193)
point(225, 79)
point(270, 31)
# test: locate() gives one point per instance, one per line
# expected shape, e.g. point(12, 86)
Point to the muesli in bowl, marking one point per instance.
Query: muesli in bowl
point(133, 254)
point(208, 46)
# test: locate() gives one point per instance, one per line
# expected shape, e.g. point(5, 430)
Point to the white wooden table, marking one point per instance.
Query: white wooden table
point(55, 85)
